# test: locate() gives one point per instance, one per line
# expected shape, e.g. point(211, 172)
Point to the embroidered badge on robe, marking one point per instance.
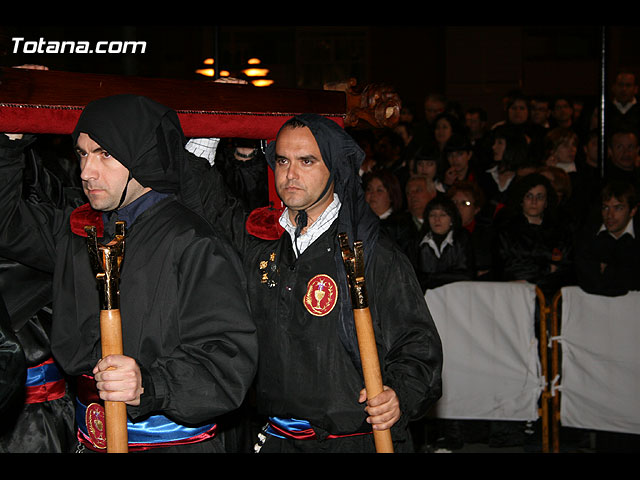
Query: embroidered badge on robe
point(321, 296)
point(96, 425)
point(268, 268)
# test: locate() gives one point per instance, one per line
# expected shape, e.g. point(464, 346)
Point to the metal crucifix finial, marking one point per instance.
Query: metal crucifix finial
point(106, 261)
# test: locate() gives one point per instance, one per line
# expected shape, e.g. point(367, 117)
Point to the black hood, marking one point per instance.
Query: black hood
point(343, 157)
point(147, 138)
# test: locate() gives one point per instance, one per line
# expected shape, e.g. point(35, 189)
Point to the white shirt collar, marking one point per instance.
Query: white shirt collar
point(428, 239)
point(204, 147)
point(317, 228)
point(493, 171)
point(386, 214)
point(629, 229)
point(624, 108)
point(568, 167)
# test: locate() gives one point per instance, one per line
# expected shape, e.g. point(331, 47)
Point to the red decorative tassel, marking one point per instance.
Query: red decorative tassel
point(263, 223)
point(83, 216)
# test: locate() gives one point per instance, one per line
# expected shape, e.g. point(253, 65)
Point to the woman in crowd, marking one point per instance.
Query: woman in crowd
point(444, 254)
point(382, 193)
point(427, 162)
point(562, 147)
point(510, 153)
point(458, 164)
point(532, 245)
point(445, 126)
point(469, 200)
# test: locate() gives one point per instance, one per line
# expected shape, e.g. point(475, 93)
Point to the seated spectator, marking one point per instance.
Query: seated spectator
point(623, 109)
point(510, 152)
point(540, 111)
point(420, 191)
point(382, 193)
point(516, 109)
point(444, 127)
point(406, 227)
point(608, 252)
point(392, 154)
point(444, 254)
point(479, 136)
point(561, 151)
point(476, 122)
point(389, 149)
point(427, 162)
point(562, 112)
point(623, 154)
point(405, 131)
point(366, 140)
point(469, 199)
point(567, 210)
point(457, 165)
point(518, 118)
point(561, 147)
point(590, 176)
point(532, 245)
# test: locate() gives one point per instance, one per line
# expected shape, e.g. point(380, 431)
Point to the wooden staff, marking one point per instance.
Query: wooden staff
point(354, 264)
point(106, 262)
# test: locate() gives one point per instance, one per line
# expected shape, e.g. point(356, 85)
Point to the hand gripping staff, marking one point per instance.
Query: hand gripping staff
point(106, 262)
point(354, 264)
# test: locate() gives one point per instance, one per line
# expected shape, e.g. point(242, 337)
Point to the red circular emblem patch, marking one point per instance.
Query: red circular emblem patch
point(321, 296)
point(96, 426)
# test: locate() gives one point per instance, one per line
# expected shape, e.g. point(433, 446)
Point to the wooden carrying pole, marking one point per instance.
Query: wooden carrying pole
point(354, 264)
point(106, 262)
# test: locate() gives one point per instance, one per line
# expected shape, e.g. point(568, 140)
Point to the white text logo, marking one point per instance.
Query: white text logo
point(70, 46)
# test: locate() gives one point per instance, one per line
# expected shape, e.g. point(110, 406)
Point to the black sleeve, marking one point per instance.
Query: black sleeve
point(226, 213)
point(209, 371)
point(27, 229)
point(412, 358)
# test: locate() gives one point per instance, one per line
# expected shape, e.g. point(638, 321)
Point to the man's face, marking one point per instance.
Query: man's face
point(540, 112)
point(624, 150)
point(459, 160)
point(616, 215)
point(625, 88)
point(518, 112)
point(300, 172)
point(432, 108)
point(591, 151)
point(417, 197)
point(562, 110)
point(474, 123)
point(103, 177)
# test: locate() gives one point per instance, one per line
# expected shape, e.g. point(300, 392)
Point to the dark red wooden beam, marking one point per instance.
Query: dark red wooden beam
point(36, 101)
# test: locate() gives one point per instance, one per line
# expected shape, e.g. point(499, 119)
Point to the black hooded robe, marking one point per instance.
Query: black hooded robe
point(183, 301)
point(309, 363)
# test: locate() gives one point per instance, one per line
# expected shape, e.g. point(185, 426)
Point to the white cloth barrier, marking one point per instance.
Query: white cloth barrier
point(491, 366)
point(600, 379)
